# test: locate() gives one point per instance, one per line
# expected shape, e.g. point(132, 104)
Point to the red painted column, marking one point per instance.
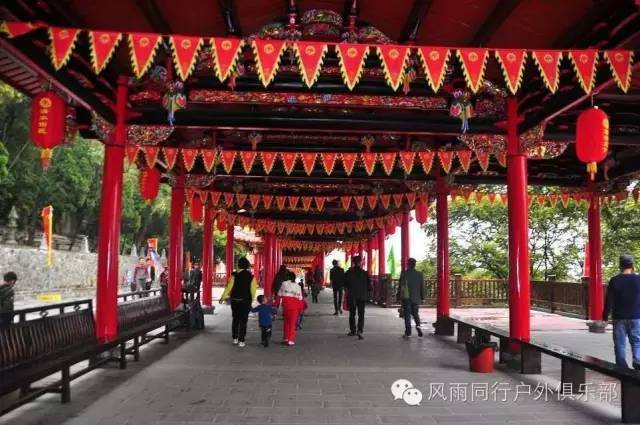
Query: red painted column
point(596, 293)
point(109, 231)
point(518, 213)
point(229, 251)
point(175, 242)
point(369, 257)
point(382, 254)
point(404, 240)
point(257, 267)
point(268, 263)
point(442, 246)
point(207, 257)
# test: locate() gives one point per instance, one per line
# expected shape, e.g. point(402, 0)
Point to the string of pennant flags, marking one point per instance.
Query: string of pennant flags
point(394, 58)
point(328, 160)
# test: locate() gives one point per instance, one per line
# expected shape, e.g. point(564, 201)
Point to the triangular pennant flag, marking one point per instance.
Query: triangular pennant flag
point(407, 159)
point(102, 44)
point(483, 159)
point(248, 158)
point(132, 153)
point(229, 198)
point(394, 60)
point(388, 161)
point(280, 202)
point(289, 161)
point(529, 200)
point(16, 29)
point(267, 200)
point(620, 64)
point(309, 161)
point(348, 161)
point(240, 199)
point(328, 161)
point(446, 159)
point(397, 199)
point(553, 199)
point(62, 43)
point(228, 158)
point(319, 200)
point(209, 158)
point(225, 54)
point(306, 202)
point(548, 62)
point(293, 202)
point(310, 56)
point(346, 202)
point(491, 196)
point(426, 159)
point(564, 199)
point(151, 155)
point(185, 53)
point(385, 199)
point(369, 160)
point(473, 63)
point(584, 63)
point(268, 159)
point(434, 61)
point(372, 200)
point(267, 54)
point(502, 158)
point(189, 193)
point(189, 157)
point(215, 198)
point(352, 58)
point(512, 61)
point(142, 48)
point(464, 157)
point(254, 200)
point(411, 198)
point(541, 199)
point(504, 199)
point(479, 197)
point(359, 200)
point(466, 194)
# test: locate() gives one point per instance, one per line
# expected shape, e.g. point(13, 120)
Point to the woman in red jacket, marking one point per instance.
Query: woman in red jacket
point(291, 300)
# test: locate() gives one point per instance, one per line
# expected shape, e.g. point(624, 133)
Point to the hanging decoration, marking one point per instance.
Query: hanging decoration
point(268, 159)
point(328, 161)
point(348, 161)
point(461, 108)
point(394, 60)
point(174, 99)
point(225, 55)
point(446, 160)
point(248, 158)
point(189, 157)
point(620, 64)
point(407, 159)
point(310, 57)
point(149, 184)
point(16, 29)
point(209, 158)
point(426, 159)
point(308, 161)
point(185, 53)
point(289, 161)
point(434, 61)
point(473, 63)
point(388, 161)
point(369, 160)
point(102, 44)
point(584, 63)
point(592, 138)
point(196, 210)
point(131, 152)
point(62, 43)
point(548, 62)
point(464, 157)
point(142, 47)
point(512, 62)
point(267, 54)
point(352, 57)
point(47, 124)
point(228, 158)
point(151, 155)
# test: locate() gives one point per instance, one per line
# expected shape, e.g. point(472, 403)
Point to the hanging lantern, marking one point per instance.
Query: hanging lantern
point(196, 209)
point(48, 115)
point(149, 184)
point(221, 225)
point(592, 138)
point(421, 212)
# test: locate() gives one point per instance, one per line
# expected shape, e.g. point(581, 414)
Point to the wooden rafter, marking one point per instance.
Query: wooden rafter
point(496, 18)
point(228, 11)
point(154, 16)
point(414, 20)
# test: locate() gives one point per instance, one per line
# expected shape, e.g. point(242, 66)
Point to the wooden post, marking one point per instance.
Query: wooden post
point(458, 285)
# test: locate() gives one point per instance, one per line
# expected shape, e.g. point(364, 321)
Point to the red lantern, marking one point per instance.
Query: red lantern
point(592, 138)
point(47, 124)
point(220, 223)
point(421, 212)
point(196, 209)
point(149, 184)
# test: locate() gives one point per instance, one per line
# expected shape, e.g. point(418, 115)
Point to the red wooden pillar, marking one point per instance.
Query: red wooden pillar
point(382, 255)
point(596, 294)
point(175, 241)
point(207, 257)
point(109, 231)
point(370, 256)
point(518, 213)
point(404, 240)
point(257, 267)
point(229, 251)
point(443, 325)
point(268, 263)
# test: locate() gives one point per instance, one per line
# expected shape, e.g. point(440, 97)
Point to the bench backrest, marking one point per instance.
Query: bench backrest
point(136, 313)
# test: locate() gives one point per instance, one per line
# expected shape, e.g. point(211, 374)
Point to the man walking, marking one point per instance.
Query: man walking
point(358, 286)
point(411, 295)
point(623, 301)
point(7, 294)
point(336, 276)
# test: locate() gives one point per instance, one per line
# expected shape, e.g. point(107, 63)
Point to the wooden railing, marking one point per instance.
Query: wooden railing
point(565, 297)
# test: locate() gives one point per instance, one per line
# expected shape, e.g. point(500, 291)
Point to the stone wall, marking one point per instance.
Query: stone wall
point(73, 274)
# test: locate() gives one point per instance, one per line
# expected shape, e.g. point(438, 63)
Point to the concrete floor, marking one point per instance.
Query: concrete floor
point(327, 378)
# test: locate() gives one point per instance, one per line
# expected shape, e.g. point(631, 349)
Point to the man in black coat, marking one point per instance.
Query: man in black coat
point(358, 286)
point(336, 276)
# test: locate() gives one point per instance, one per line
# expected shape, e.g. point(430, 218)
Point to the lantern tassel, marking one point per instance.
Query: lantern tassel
point(592, 169)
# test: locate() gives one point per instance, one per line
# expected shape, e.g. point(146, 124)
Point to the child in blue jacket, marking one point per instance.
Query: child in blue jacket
point(265, 320)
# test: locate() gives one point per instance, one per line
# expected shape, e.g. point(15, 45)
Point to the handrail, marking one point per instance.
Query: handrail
point(45, 309)
point(139, 294)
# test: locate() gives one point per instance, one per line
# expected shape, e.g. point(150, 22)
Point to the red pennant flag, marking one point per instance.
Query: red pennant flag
point(306, 202)
point(293, 202)
point(267, 200)
point(372, 200)
point(473, 63)
point(248, 158)
point(240, 199)
point(504, 199)
point(185, 53)
point(502, 158)
point(434, 61)
point(280, 202)
point(492, 197)
point(352, 58)
point(328, 161)
point(388, 161)
point(319, 200)
point(553, 199)
point(102, 44)
point(254, 200)
point(62, 43)
point(151, 155)
point(309, 161)
point(620, 64)
point(394, 60)
point(584, 63)
point(564, 198)
point(228, 158)
point(209, 158)
point(228, 198)
point(132, 153)
point(541, 199)
point(189, 194)
point(426, 159)
point(359, 201)
point(529, 200)
point(397, 199)
point(289, 161)
point(512, 62)
point(548, 62)
point(479, 197)
point(411, 198)
point(386, 200)
point(16, 29)
point(268, 159)
point(267, 54)
point(348, 161)
point(310, 56)
point(369, 159)
point(225, 54)
point(483, 159)
point(189, 157)
point(215, 198)
point(446, 159)
point(142, 48)
point(170, 156)
point(407, 159)
point(464, 157)
point(346, 202)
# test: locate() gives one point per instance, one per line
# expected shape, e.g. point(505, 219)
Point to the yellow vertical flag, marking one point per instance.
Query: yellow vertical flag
point(47, 229)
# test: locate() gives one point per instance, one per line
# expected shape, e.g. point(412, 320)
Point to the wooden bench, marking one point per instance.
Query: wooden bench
point(573, 365)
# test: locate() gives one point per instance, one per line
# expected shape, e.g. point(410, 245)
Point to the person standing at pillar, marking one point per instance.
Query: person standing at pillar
point(195, 277)
point(623, 301)
point(336, 276)
point(241, 291)
point(7, 294)
point(358, 286)
point(411, 296)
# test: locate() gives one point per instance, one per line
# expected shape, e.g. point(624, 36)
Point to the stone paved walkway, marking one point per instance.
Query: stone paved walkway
point(328, 378)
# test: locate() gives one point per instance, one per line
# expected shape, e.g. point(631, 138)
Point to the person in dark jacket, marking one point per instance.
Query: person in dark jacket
point(358, 286)
point(7, 294)
point(241, 290)
point(195, 276)
point(411, 295)
point(336, 276)
point(623, 301)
